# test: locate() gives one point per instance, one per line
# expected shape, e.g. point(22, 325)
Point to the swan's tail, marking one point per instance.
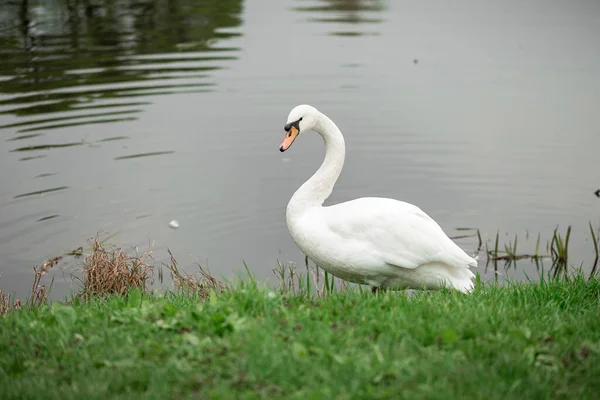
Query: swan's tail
point(442, 275)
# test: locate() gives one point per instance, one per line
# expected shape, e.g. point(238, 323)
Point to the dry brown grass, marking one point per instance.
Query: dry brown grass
point(6, 303)
point(39, 292)
point(199, 285)
point(113, 272)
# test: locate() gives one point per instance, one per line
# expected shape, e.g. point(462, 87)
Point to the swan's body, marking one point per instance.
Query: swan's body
point(380, 242)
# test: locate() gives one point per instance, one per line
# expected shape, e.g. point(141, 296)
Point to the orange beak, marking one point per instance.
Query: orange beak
point(289, 138)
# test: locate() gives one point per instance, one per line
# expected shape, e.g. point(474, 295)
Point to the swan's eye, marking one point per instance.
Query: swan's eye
point(289, 125)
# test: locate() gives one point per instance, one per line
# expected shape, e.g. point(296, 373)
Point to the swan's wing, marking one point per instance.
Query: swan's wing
point(398, 233)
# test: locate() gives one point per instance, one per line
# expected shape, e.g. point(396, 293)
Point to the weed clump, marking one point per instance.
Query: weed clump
point(6, 303)
point(113, 272)
point(39, 292)
point(199, 285)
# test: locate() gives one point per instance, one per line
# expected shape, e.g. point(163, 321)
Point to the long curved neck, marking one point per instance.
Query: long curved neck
point(318, 188)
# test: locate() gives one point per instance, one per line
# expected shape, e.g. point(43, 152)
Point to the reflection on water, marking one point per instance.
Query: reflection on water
point(346, 17)
point(70, 67)
point(84, 61)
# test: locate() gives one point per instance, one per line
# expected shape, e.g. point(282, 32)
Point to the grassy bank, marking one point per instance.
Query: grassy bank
point(537, 340)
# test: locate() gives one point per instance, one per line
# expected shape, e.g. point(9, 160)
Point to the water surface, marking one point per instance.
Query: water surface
point(120, 116)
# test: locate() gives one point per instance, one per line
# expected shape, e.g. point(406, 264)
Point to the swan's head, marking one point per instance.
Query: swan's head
point(302, 118)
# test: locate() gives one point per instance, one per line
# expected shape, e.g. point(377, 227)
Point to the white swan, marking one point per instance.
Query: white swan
point(380, 242)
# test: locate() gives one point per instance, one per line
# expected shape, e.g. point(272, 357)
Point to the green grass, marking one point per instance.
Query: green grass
point(533, 341)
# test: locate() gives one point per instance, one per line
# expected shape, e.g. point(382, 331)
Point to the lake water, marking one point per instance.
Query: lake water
point(120, 116)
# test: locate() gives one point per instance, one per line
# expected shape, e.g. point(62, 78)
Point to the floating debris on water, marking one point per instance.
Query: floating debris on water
point(174, 224)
